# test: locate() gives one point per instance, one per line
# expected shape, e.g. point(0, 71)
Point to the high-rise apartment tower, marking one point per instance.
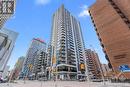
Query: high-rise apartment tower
point(68, 46)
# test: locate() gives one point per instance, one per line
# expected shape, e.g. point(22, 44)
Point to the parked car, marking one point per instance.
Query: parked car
point(82, 80)
point(3, 80)
point(97, 80)
point(42, 79)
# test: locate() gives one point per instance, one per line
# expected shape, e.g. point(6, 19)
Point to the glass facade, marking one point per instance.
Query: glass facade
point(7, 41)
point(31, 57)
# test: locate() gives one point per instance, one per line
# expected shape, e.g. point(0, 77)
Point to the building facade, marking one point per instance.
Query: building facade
point(7, 42)
point(106, 70)
point(111, 19)
point(5, 73)
point(7, 8)
point(31, 57)
point(94, 65)
point(67, 46)
point(18, 68)
point(40, 68)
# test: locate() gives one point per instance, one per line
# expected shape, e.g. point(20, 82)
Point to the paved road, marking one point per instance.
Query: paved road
point(62, 84)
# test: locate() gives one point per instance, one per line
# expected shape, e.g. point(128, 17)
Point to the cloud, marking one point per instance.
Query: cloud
point(42, 2)
point(84, 12)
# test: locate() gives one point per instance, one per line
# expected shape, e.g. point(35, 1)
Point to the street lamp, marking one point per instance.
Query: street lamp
point(24, 77)
point(8, 76)
point(1, 73)
point(42, 75)
point(55, 75)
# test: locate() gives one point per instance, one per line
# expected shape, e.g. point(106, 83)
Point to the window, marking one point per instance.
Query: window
point(120, 56)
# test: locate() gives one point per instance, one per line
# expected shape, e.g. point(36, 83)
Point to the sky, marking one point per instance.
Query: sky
point(33, 19)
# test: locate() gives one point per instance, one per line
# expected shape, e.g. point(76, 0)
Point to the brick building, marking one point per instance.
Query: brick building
point(111, 19)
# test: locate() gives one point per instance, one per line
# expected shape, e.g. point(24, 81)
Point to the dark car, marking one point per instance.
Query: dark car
point(3, 80)
point(97, 80)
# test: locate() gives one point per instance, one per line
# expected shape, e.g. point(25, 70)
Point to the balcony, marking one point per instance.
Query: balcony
point(61, 60)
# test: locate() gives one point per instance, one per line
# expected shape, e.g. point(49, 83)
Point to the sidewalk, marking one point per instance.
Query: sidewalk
point(63, 84)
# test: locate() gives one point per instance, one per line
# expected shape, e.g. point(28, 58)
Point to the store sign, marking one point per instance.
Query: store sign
point(82, 66)
point(7, 7)
point(30, 66)
point(124, 68)
point(54, 60)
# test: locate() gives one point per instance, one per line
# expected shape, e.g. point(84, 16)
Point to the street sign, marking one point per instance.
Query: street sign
point(122, 78)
